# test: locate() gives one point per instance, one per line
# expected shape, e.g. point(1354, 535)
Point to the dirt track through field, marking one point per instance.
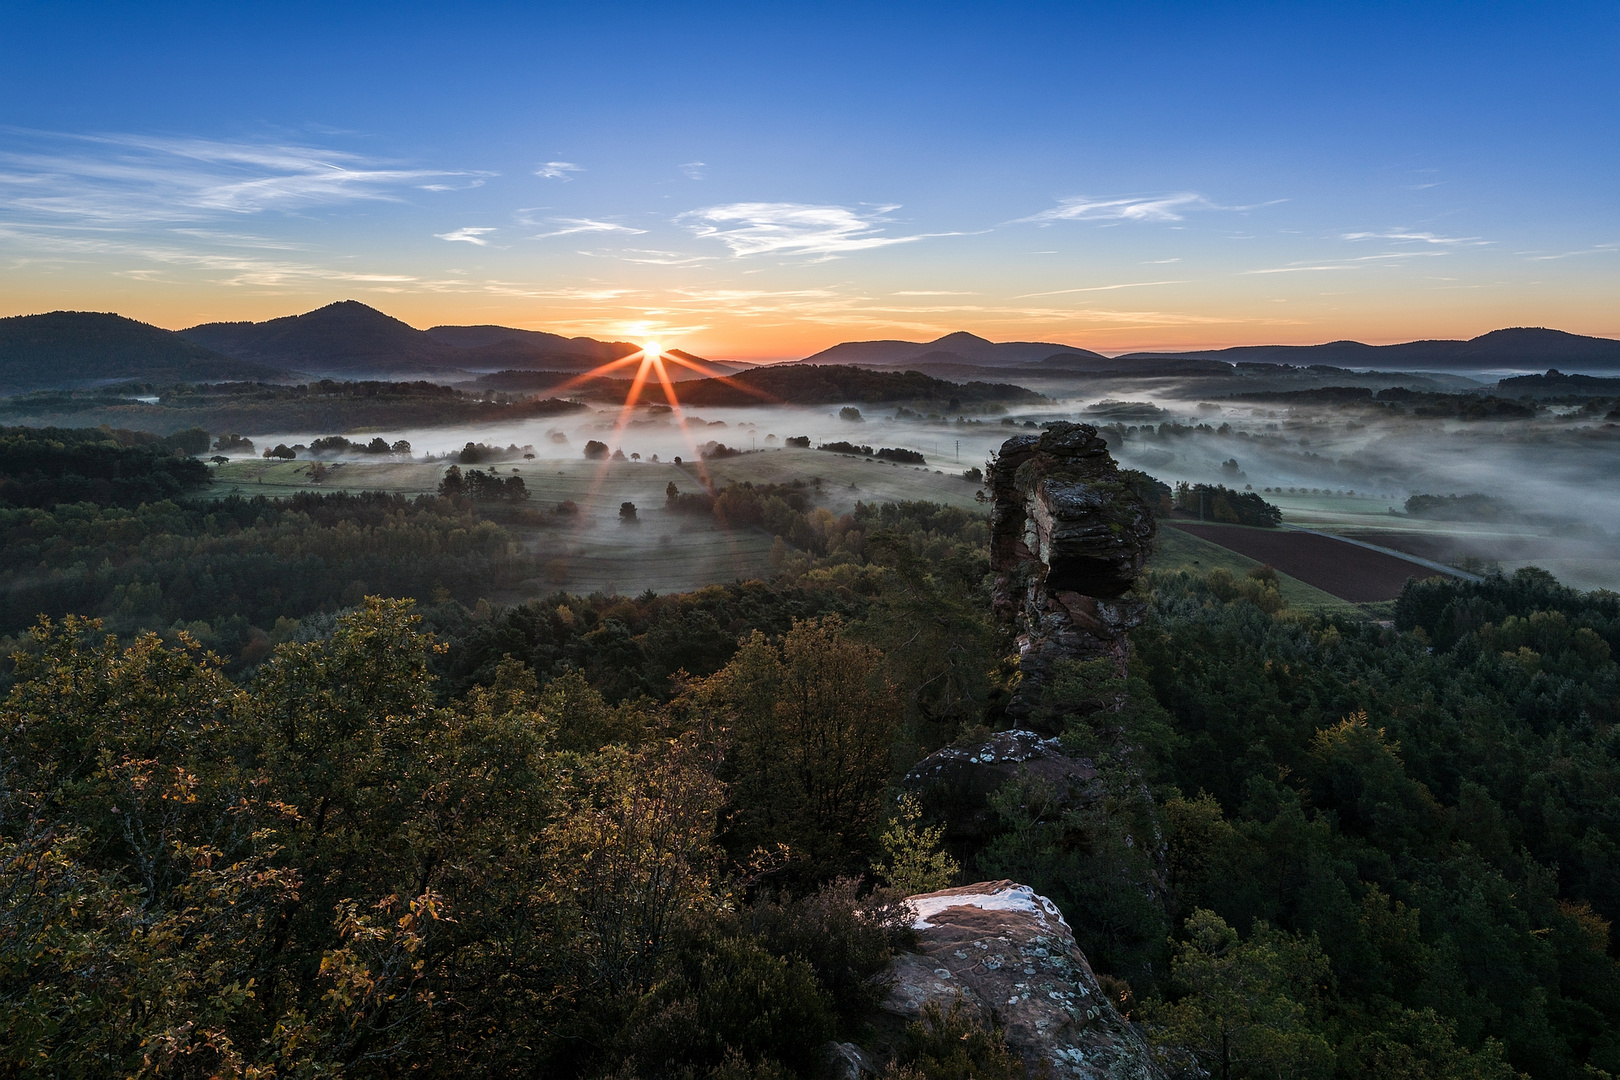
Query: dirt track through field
point(1345, 570)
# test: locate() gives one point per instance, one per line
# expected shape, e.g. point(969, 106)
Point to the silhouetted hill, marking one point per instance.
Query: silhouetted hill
point(64, 349)
point(506, 341)
point(830, 384)
point(1524, 347)
point(343, 339)
point(349, 339)
point(1070, 363)
point(958, 348)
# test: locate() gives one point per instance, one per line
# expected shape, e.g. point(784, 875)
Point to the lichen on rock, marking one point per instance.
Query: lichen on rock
point(1007, 954)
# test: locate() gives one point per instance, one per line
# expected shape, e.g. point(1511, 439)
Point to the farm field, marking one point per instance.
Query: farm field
point(1349, 572)
point(1178, 549)
point(1583, 563)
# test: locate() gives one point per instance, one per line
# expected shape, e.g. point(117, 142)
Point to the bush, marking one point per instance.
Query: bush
point(731, 996)
point(847, 941)
point(904, 457)
point(481, 486)
point(596, 450)
point(851, 414)
point(955, 1045)
point(800, 441)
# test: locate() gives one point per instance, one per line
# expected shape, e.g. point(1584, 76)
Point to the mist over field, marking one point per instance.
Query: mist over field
point(1347, 466)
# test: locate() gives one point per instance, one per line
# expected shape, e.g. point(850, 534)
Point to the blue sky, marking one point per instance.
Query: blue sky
point(762, 181)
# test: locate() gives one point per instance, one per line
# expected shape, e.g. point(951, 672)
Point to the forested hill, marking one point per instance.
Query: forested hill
point(79, 348)
point(346, 337)
point(815, 384)
point(350, 339)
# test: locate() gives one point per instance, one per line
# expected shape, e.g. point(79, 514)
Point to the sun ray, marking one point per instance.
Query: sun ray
point(650, 360)
point(675, 404)
point(727, 380)
point(597, 372)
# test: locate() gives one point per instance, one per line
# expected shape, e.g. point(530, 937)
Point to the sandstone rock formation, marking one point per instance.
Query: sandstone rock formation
point(1012, 959)
point(954, 785)
point(1068, 537)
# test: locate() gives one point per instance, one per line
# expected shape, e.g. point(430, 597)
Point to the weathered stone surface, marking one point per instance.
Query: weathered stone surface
point(846, 1061)
point(954, 785)
point(1068, 537)
point(1010, 956)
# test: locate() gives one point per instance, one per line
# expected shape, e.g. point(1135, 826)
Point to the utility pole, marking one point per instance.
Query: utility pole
point(959, 451)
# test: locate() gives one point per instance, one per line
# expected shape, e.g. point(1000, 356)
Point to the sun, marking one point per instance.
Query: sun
point(652, 348)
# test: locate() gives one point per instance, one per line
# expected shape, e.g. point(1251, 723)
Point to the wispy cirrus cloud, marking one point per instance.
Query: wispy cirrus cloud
point(650, 257)
point(223, 267)
point(1100, 288)
point(469, 235)
point(127, 180)
point(1173, 207)
point(557, 170)
point(692, 170)
point(780, 228)
point(1411, 236)
point(1360, 262)
point(1596, 249)
point(567, 226)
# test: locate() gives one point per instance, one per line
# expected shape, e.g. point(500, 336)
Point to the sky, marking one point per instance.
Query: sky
point(763, 181)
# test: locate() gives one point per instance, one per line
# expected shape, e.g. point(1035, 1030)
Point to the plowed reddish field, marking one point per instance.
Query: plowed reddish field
point(1345, 570)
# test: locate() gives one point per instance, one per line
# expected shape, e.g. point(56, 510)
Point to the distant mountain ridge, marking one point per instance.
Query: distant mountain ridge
point(966, 355)
point(1523, 347)
point(960, 347)
point(70, 349)
point(349, 339)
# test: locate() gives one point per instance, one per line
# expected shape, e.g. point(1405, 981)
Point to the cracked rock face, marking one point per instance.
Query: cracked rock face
point(1008, 954)
point(1068, 538)
point(954, 785)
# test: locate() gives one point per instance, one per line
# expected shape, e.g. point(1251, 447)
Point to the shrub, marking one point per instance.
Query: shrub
point(847, 940)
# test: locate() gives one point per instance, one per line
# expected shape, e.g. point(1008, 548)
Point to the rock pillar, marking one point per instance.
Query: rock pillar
point(1068, 537)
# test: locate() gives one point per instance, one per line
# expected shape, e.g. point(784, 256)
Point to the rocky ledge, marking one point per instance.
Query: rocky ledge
point(954, 785)
point(1009, 956)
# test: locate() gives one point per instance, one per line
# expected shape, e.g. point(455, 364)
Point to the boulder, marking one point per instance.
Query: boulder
point(1007, 953)
point(1068, 538)
point(954, 785)
point(846, 1061)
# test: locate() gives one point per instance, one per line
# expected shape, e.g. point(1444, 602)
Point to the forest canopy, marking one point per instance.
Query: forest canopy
point(306, 802)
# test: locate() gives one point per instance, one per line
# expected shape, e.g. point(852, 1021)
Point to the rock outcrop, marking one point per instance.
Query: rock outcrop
point(954, 785)
point(1068, 537)
point(1009, 956)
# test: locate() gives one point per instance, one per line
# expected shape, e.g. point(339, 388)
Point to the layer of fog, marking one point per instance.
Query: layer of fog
point(1555, 471)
